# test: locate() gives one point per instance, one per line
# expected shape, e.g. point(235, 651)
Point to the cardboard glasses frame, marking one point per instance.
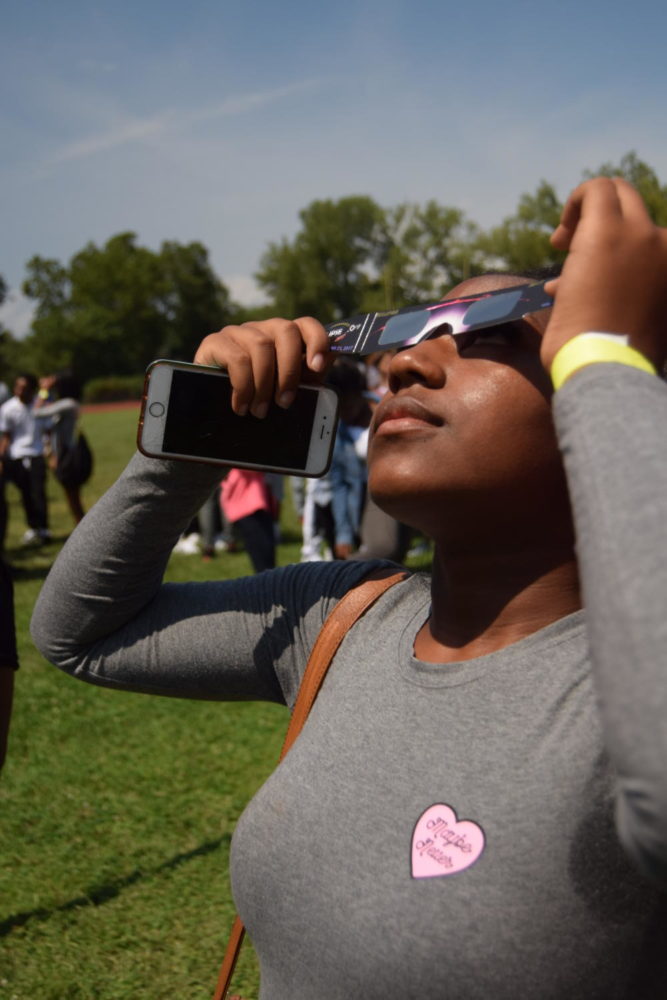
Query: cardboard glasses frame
point(396, 328)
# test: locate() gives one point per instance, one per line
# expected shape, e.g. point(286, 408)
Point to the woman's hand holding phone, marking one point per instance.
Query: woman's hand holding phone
point(266, 360)
point(206, 411)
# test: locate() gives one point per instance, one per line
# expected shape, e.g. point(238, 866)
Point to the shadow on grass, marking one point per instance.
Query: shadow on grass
point(29, 572)
point(33, 562)
point(98, 895)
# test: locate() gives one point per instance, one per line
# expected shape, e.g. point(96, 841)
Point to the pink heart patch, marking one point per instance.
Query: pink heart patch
point(443, 844)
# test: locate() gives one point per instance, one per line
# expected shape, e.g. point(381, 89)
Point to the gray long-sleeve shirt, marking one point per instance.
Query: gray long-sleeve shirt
point(496, 827)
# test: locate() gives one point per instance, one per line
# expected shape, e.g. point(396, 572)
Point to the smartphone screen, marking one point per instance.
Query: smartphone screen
point(200, 422)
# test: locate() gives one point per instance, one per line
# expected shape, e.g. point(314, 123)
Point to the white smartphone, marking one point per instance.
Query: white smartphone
point(186, 413)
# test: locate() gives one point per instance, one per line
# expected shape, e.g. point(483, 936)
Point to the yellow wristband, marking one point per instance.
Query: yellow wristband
point(591, 349)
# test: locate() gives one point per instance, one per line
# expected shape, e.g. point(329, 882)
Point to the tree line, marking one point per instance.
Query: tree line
point(114, 308)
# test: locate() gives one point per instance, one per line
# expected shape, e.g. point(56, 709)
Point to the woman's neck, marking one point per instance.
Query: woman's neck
point(484, 602)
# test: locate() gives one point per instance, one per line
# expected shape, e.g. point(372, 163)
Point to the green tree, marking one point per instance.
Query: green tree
point(194, 303)
point(426, 249)
point(352, 255)
point(327, 268)
point(521, 241)
point(10, 357)
point(115, 308)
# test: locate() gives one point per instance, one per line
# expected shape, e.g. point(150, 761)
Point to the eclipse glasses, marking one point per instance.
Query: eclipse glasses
point(394, 328)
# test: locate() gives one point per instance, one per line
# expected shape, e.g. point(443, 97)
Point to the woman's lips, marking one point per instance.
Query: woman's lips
point(397, 415)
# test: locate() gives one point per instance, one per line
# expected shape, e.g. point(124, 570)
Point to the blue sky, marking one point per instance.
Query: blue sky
point(219, 121)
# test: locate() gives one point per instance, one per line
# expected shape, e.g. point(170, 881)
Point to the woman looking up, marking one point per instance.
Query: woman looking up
point(477, 805)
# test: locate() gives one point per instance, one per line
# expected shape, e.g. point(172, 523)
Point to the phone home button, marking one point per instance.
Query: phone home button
point(156, 410)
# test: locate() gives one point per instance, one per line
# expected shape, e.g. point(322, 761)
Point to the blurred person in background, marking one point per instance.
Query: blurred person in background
point(249, 505)
point(59, 400)
point(339, 498)
point(22, 459)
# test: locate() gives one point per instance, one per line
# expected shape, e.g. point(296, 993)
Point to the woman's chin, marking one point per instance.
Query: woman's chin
point(400, 496)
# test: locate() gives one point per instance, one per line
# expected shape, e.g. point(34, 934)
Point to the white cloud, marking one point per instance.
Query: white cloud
point(138, 129)
point(244, 289)
point(131, 131)
point(16, 314)
point(248, 102)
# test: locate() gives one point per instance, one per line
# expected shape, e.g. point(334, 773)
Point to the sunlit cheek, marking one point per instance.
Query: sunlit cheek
point(503, 421)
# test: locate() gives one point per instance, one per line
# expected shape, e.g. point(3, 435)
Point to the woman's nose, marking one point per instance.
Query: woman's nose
point(425, 363)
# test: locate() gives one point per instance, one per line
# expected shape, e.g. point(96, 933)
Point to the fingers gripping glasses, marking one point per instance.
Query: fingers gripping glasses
point(394, 328)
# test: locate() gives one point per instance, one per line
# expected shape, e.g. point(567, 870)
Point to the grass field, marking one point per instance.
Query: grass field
point(116, 809)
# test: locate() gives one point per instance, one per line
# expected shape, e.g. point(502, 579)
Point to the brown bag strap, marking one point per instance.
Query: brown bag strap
point(348, 610)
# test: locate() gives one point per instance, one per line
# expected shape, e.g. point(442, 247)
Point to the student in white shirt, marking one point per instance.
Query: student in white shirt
point(22, 459)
